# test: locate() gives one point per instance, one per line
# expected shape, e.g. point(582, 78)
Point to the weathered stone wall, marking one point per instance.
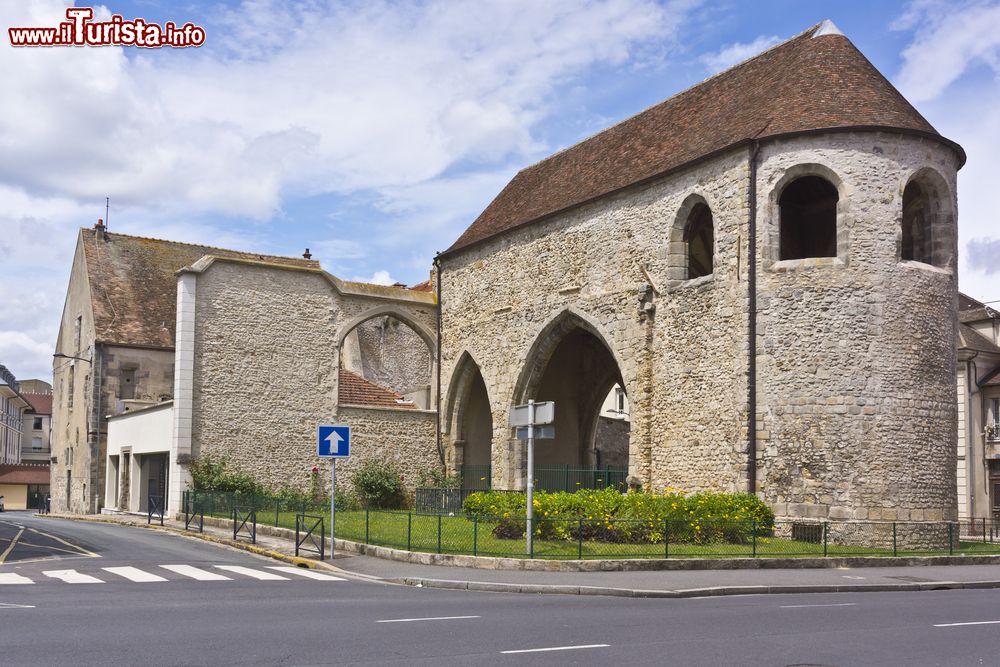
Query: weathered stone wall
point(404, 437)
point(385, 351)
point(612, 441)
point(265, 368)
point(855, 353)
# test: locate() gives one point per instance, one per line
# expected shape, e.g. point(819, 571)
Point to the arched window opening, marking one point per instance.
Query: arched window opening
point(700, 238)
point(808, 218)
point(385, 363)
point(916, 237)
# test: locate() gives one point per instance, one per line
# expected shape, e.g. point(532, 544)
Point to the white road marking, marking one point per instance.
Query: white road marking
point(72, 577)
point(953, 625)
point(133, 574)
point(13, 578)
point(250, 572)
point(11, 605)
point(805, 606)
point(303, 572)
point(429, 618)
point(557, 648)
point(847, 576)
point(195, 573)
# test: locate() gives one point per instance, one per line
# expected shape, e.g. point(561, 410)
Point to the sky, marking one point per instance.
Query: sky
point(375, 132)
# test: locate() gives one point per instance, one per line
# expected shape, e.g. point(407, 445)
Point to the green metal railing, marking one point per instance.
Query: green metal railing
point(553, 478)
point(582, 538)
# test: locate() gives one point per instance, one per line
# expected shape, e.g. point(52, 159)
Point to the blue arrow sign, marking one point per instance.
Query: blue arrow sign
point(333, 441)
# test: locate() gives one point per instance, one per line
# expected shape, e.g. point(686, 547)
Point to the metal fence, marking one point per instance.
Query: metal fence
point(582, 538)
point(552, 478)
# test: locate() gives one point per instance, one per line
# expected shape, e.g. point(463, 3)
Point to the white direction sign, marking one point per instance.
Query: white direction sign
point(541, 432)
point(545, 413)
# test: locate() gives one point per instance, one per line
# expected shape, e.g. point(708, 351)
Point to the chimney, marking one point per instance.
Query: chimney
point(307, 254)
point(99, 228)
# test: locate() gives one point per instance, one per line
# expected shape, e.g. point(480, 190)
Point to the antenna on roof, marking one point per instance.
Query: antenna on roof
point(107, 210)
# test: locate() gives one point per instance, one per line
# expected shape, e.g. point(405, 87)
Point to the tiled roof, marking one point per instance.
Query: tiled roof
point(971, 310)
point(808, 83)
point(970, 339)
point(355, 390)
point(133, 288)
point(425, 286)
point(40, 403)
point(24, 473)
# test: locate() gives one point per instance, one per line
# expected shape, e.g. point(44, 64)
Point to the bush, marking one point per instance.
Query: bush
point(209, 473)
point(379, 485)
point(439, 478)
point(610, 516)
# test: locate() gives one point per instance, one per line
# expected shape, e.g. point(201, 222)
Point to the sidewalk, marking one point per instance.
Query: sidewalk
point(758, 578)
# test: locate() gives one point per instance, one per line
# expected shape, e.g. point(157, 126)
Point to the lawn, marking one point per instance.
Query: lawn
point(436, 533)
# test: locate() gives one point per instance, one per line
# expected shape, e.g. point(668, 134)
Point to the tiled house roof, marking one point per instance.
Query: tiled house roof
point(40, 403)
point(24, 473)
point(970, 339)
point(133, 289)
point(815, 81)
point(355, 390)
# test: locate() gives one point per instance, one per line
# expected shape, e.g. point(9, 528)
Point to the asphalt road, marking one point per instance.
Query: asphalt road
point(291, 620)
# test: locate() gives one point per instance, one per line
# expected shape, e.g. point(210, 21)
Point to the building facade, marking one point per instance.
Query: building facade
point(744, 260)
point(978, 387)
point(12, 408)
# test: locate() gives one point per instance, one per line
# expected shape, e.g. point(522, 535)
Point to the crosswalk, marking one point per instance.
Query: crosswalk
point(170, 572)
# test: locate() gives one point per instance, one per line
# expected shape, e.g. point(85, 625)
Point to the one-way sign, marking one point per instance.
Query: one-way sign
point(333, 441)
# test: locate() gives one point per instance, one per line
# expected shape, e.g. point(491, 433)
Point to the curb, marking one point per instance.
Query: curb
point(712, 591)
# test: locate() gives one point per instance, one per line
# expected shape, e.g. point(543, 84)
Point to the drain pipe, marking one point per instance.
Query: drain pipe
point(437, 345)
point(752, 323)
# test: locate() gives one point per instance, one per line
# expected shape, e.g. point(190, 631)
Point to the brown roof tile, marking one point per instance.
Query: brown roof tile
point(24, 473)
point(804, 84)
point(40, 403)
point(355, 390)
point(970, 339)
point(133, 288)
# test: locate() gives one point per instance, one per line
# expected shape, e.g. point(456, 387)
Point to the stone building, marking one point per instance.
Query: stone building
point(978, 384)
point(746, 260)
point(262, 359)
point(115, 352)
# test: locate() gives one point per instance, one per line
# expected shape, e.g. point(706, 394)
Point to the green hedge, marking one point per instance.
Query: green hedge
point(610, 516)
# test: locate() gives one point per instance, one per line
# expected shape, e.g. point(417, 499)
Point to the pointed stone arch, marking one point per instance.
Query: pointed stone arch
point(571, 362)
point(468, 422)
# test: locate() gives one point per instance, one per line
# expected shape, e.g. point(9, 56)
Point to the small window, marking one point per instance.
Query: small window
point(77, 326)
point(620, 400)
point(916, 241)
point(808, 219)
point(126, 389)
point(69, 392)
point(36, 444)
point(37, 424)
point(700, 239)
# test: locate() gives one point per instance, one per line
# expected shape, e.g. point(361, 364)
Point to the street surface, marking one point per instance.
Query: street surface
point(95, 594)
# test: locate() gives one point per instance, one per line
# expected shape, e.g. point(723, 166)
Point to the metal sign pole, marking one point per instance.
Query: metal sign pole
point(531, 475)
point(333, 505)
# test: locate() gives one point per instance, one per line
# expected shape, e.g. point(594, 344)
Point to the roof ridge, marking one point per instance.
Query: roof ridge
point(195, 245)
point(678, 94)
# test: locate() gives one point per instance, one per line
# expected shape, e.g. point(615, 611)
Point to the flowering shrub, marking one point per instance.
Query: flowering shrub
point(610, 516)
point(379, 485)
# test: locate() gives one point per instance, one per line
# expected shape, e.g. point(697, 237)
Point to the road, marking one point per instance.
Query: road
point(213, 606)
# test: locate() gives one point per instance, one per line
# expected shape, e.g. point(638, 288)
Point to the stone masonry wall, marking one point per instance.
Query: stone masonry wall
point(388, 353)
point(855, 353)
point(683, 369)
point(265, 374)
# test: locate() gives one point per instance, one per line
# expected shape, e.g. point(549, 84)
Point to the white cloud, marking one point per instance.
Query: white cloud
point(984, 255)
point(288, 98)
point(732, 54)
point(377, 278)
point(950, 39)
